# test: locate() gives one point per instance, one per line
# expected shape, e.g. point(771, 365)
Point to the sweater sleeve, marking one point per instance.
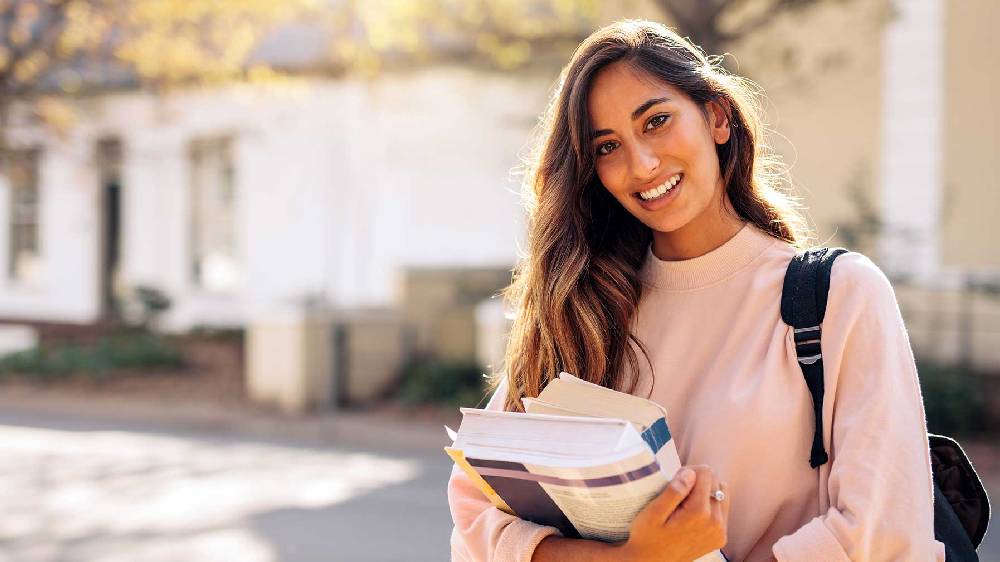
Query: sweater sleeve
point(879, 486)
point(483, 533)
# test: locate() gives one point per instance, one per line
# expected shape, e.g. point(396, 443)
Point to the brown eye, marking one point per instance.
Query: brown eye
point(656, 121)
point(606, 148)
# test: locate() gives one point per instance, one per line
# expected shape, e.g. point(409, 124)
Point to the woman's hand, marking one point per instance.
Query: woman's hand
point(683, 523)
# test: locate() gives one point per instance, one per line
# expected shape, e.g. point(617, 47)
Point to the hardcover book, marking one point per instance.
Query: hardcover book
point(582, 458)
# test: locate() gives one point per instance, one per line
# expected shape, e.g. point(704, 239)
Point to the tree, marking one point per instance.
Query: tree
point(512, 33)
point(716, 24)
point(60, 46)
point(54, 47)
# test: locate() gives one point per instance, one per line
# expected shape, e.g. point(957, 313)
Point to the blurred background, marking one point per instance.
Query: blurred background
point(251, 251)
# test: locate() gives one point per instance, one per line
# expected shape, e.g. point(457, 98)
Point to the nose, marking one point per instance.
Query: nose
point(645, 163)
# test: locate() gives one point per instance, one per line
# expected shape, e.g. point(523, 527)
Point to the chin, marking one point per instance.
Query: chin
point(664, 224)
point(665, 228)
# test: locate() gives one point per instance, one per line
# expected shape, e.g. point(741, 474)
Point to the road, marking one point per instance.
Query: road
point(109, 488)
point(98, 492)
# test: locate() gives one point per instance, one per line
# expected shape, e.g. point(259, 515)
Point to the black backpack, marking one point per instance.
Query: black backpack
point(961, 506)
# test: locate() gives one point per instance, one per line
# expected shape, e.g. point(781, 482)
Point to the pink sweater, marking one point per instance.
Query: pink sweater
point(726, 372)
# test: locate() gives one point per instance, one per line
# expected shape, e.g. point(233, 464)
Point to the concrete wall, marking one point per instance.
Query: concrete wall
point(911, 170)
point(952, 326)
point(971, 178)
point(370, 349)
point(823, 104)
point(440, 304)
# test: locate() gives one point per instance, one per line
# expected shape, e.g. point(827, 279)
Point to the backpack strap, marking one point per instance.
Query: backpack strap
point(961, 504)
point(803, 306)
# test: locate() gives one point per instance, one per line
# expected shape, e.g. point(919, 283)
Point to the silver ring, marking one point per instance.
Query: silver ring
point(718, 496)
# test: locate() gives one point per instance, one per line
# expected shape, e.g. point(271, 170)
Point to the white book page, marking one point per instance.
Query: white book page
point(571, 392)
point(564, 459)
point(537, 406)
point(539, 432)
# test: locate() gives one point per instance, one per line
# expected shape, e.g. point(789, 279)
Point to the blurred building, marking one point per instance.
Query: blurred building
point(887, 119)
point(237, 199)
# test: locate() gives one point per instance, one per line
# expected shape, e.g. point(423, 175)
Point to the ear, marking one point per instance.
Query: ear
point(718, 120)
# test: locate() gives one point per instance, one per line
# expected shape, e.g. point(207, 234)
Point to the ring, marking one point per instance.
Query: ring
point(718, 495)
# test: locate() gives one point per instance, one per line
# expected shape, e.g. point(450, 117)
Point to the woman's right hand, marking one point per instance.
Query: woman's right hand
point(683, 523)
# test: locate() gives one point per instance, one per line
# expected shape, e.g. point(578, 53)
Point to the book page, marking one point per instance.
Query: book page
point(579, 395)
point(601, 501)
point(540, 432)
point(537, 406)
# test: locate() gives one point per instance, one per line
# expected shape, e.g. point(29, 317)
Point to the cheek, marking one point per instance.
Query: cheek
point(693, 152)
point(611, 177)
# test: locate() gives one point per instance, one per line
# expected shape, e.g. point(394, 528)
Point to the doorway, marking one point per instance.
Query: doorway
point(109, 172)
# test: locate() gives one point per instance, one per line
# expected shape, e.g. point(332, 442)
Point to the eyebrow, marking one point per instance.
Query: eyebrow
point(635, 114)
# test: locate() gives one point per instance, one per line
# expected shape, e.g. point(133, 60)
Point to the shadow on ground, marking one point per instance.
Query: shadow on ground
point(76, 491)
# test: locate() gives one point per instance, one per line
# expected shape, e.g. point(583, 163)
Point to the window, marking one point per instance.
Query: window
point(214, 265)
point(22, 181)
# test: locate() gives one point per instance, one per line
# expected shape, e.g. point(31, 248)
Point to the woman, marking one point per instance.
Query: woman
point(659, 238)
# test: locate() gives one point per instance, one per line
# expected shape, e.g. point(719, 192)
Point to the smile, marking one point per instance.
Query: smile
point(661, 190)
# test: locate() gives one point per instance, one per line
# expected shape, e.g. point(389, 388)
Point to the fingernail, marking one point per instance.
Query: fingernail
point(686, 476)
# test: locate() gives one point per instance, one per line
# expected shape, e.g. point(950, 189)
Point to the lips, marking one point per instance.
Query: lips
point(654, 193)
point(663, 199)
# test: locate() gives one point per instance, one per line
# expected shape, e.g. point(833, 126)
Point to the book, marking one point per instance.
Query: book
point(581, 457)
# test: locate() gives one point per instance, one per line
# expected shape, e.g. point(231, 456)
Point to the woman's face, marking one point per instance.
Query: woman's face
point(654, 149)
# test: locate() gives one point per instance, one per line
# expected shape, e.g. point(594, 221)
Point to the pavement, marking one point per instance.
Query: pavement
point(112, 480)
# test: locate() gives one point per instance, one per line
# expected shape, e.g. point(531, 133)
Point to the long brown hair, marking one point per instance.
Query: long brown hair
point(576, 291)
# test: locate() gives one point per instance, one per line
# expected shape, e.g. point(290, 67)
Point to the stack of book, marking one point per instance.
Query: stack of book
point(582, 458)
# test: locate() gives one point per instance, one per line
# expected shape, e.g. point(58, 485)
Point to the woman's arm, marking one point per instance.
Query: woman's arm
point(555, 548)
point(880, 491)
point(483, 533)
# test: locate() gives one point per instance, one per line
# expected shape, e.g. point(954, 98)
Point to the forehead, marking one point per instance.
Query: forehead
point(619, 88)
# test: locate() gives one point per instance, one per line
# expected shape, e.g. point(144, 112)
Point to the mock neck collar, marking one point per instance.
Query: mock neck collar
point(707, 269)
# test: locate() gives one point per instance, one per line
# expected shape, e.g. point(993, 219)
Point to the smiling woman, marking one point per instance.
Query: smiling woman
point(660, 227)
point(659, 160)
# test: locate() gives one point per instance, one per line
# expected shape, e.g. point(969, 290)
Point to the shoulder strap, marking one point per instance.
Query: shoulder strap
point(803, 306)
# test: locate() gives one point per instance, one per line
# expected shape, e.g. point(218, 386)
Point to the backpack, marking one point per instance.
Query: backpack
point(961, 506)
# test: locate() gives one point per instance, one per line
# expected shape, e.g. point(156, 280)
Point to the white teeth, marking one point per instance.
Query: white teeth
point(663, 188)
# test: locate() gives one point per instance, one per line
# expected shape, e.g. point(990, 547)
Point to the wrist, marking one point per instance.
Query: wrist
point(626, 552)
point(554, 547)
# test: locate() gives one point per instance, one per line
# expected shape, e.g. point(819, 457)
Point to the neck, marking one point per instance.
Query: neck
point(698, 237)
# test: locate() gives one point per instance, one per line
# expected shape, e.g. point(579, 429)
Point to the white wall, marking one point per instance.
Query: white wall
point(913, 139)
point(66, 286)
point(339, 184)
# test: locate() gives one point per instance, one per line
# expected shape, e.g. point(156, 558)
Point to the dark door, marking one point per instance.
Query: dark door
point(109, 169)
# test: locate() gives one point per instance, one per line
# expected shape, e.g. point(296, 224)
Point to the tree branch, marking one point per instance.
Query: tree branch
point(43, 39)
point(766, 16)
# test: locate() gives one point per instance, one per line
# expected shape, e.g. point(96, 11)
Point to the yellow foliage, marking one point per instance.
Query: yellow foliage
point(183, 41)
point(56, 114)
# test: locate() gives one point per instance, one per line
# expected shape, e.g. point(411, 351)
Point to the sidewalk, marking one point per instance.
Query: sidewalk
point(388, 432)
point(139, 479)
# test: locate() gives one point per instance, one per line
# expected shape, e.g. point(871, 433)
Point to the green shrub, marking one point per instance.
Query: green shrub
point(154, 302)
point(443, 382)
point(130, 350)
point(953, 399)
